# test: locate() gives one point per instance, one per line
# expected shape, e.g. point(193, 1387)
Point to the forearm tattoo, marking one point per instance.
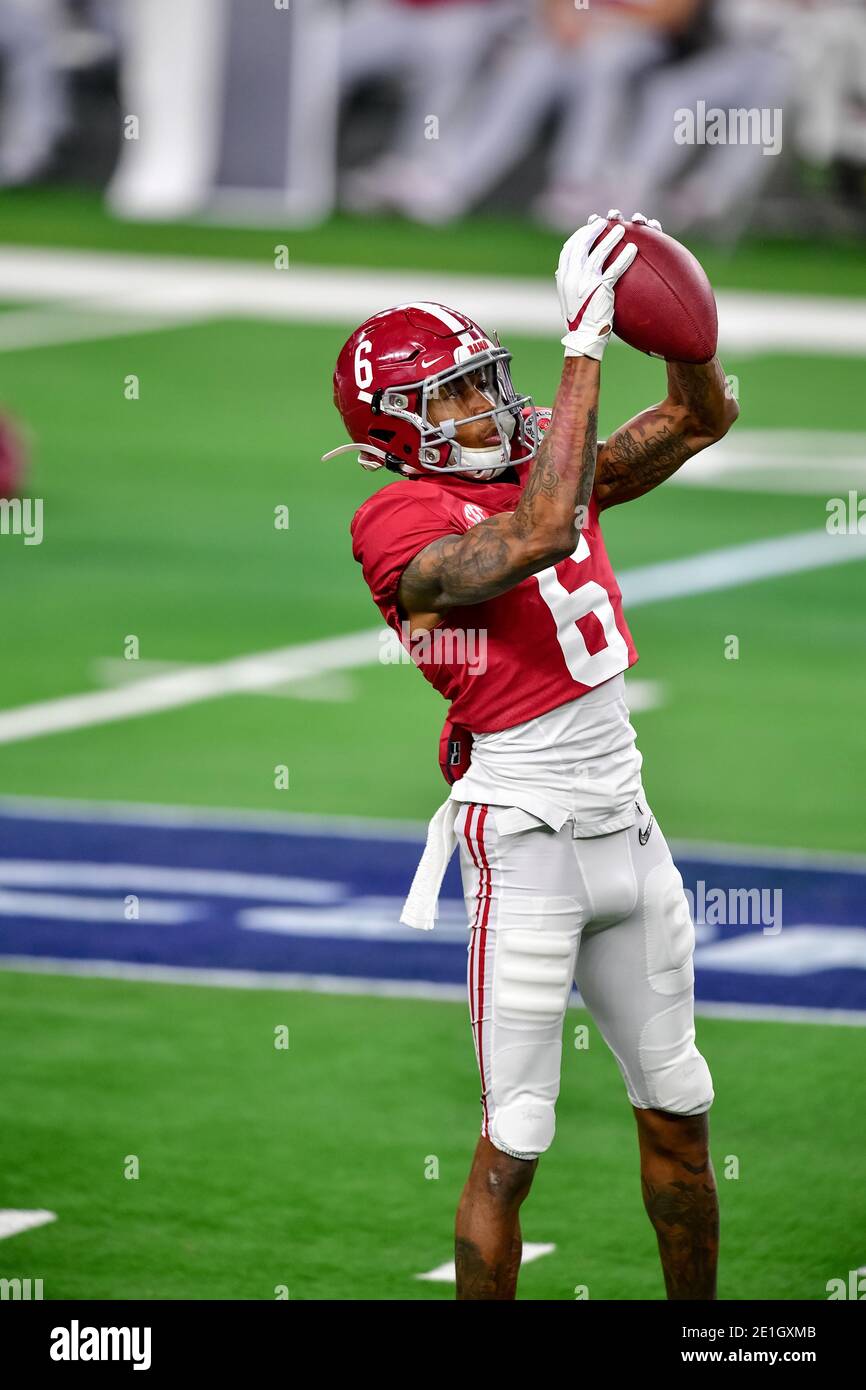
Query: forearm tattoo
point(647, 450)
point(469, 565)
point(494, 555)
point(640, 456)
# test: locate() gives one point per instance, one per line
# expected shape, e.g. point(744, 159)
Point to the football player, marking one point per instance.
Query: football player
point(492, 527)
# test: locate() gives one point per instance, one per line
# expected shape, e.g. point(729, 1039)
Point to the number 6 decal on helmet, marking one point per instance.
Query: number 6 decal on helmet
point(363, 365)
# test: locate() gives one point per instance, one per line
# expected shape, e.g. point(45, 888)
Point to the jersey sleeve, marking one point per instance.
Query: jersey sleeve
point(388, 533)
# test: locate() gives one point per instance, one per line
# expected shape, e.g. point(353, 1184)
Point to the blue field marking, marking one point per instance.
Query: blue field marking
point(318, 898)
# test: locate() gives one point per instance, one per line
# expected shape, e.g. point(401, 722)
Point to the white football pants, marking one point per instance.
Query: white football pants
point(546, 909)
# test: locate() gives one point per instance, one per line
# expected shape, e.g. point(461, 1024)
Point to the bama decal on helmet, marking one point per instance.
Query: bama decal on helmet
point(466, 351)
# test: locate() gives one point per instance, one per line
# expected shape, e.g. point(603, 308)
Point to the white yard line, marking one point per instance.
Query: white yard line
point(190, 287)
point(234, 979)
point(333, 687)
point(803, 949)
point(71, 907)
point(215, 818)
point(189, 685)
point(817, 463)
point(732, 566)
point(158, 878)
point(362, 918)
point(13, 1221)
point(373, 988)
point(712, 571)
point(133, 813)
point(51, 325)
point(447, 1273)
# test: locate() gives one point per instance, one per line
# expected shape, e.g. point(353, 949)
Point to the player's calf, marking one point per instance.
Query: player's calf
point(679, 1192)
point(488, 1244)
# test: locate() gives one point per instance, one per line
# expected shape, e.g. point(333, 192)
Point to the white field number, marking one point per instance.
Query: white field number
point(589, 669)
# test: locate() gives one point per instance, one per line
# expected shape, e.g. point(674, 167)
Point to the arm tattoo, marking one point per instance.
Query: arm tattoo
point(471, 562)
point(690, 385)
point(640, 456)
point(502, 550)
point(646, 451)
point(546, 480)
point(588, 459)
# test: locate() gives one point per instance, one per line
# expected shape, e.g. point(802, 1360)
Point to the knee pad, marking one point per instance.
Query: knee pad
point(677, 1077)
point(669, 933)
point(687, 1089)
point(534, 971)
point(525, 1128)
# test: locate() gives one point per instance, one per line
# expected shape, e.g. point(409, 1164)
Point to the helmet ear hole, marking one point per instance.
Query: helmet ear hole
point(385, 437)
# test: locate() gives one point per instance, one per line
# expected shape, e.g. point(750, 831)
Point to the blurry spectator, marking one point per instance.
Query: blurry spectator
point(828, 46)
point(582, 62)
point(231, 108)
point(435, 49)
point(801, 65)
point(625, 45)
point(34, 106)
point(748, 68)
point(166, 167)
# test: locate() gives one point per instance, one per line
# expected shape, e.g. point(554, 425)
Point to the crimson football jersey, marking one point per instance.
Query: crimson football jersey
point(550, 639)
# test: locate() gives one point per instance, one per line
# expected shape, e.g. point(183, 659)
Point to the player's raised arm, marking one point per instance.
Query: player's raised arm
point(504, 549)
point(697, 411)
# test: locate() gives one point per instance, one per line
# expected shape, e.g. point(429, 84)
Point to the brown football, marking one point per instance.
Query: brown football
point(664, 302)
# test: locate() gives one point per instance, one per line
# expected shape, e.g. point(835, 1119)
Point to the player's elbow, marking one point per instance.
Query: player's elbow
point(550, 545)
point(729, 415)
point(733, 410)
point(714, 428)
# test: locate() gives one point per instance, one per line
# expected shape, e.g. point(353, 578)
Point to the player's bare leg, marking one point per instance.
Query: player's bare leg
point(679, 1193)
point(487, 1244)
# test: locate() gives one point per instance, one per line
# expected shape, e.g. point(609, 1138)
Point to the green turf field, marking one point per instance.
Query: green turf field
point(159, 524)
point(306, 1167)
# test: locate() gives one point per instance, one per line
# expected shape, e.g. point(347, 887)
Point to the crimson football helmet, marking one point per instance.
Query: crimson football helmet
point(400, 359)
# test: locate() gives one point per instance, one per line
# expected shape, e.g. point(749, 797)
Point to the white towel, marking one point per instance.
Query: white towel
point(421, 906)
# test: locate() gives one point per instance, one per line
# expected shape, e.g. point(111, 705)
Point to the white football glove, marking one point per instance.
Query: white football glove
point(638, 217)
point(614, 215)
point(586, 290)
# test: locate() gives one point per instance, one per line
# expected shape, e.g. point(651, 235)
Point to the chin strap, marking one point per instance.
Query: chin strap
point(484, 459)
point(371, 464)
point(496, 459)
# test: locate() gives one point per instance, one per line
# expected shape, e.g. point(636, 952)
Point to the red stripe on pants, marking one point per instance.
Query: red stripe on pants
point(479, 939)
